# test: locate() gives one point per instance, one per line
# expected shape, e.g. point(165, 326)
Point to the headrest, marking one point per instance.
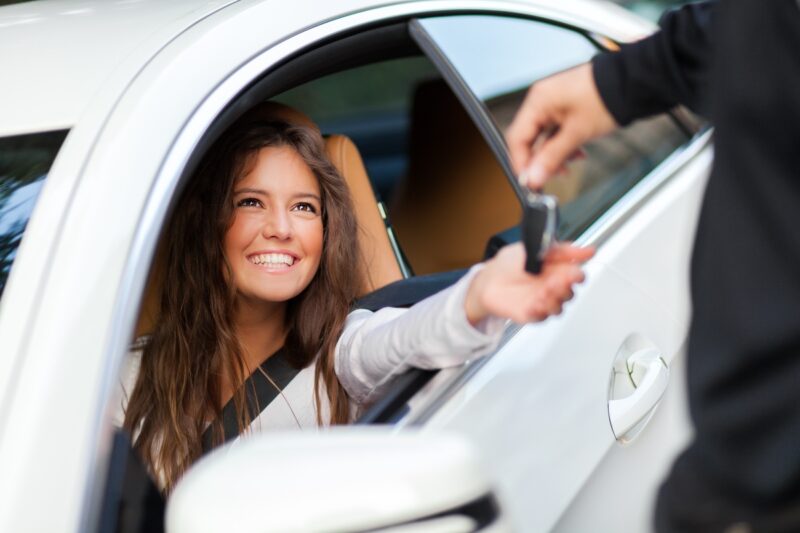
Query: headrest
point(380, 265)
point(276, 111)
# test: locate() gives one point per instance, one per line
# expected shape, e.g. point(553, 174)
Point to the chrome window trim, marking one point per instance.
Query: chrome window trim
point(596, 235)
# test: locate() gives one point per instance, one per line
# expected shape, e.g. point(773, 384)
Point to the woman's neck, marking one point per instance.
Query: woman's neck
point(261, 331)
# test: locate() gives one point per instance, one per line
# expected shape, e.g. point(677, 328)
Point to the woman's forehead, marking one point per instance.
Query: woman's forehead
point(277, 169)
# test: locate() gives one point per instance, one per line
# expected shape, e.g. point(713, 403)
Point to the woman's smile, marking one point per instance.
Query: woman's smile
point(274, 261)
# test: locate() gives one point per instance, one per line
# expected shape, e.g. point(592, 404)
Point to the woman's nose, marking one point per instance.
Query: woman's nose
point(277, 226)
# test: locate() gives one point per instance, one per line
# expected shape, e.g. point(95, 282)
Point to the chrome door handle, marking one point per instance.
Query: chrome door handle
point(625, 413)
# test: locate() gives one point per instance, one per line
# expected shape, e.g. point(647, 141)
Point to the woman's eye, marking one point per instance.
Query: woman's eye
point(305, 206)
point(249, 202)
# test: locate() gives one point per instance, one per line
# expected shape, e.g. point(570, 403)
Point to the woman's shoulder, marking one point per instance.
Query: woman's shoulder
point(138, 344)
point(129, 373)
point(133, 360)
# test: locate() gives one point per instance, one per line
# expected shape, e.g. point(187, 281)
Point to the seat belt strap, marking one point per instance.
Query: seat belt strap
point(259, 393)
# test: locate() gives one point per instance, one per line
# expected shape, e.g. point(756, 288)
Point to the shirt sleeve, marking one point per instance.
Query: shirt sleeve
point(671, 67)
point(434, 333)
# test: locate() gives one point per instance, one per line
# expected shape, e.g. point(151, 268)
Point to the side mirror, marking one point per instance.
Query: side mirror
point(344, 479)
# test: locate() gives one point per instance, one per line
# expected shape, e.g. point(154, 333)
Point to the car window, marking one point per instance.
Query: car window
point(443, 189)
point(24, 163)
point(499, 57)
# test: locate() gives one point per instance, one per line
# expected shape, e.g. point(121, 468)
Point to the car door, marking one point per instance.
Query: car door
point(560, 410)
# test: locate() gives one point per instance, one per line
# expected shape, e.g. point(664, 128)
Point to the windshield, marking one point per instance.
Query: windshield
point(25, 161)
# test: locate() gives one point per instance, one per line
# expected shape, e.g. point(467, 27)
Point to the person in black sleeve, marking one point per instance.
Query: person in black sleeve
point(736, 62)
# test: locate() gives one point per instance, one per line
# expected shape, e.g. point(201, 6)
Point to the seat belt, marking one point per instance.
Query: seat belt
point(259, 393)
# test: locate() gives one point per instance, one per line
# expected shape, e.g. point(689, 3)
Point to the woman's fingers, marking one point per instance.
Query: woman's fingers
point(549, 291)
point(568, 253)
point(503, 288)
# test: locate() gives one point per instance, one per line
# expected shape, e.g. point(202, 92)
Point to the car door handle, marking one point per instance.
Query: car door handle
point(625, 413)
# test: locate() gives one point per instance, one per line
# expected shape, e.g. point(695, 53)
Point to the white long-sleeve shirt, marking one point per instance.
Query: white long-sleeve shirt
point(375, 347)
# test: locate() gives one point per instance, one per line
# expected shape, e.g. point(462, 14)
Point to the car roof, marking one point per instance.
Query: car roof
point(57, 54)
point(62, 55)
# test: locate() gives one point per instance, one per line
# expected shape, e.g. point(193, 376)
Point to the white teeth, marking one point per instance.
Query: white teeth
point(273, 259)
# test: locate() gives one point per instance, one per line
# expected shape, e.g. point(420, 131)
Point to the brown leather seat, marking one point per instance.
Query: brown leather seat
point(455, 196)
point(380, 265)
point(380, 262)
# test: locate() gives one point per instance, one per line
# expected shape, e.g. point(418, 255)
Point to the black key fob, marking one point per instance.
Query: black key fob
point(539, 224)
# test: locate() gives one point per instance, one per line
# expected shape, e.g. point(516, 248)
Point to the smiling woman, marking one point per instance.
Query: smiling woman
point(262, 193)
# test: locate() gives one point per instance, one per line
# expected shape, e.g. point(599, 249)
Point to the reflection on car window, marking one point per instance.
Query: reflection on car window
point(24, 163)
point(519, 51)
point(515, 53)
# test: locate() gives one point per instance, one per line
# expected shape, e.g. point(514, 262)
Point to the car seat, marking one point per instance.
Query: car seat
point(455, 196)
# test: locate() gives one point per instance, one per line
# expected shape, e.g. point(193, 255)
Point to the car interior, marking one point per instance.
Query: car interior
point(421, 173)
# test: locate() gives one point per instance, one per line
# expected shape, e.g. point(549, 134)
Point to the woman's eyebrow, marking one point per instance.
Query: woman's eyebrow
point(308, 195)
point(250, 190)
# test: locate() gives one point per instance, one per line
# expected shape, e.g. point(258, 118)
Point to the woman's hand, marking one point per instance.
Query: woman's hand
point(503, 288)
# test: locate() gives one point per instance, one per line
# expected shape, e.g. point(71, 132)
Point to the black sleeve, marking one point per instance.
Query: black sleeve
point(670, 67)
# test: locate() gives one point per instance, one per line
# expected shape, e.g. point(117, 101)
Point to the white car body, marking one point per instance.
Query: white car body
point(137, 84)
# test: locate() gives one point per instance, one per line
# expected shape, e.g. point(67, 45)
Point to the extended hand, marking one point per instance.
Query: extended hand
point(559, 114)
point(503, 288)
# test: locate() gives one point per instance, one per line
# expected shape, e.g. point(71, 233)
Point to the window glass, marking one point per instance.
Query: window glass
point(500, 57)
point(24, 163)
point(519, 51)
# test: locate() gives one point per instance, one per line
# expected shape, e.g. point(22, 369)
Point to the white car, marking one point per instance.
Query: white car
point(105, 106)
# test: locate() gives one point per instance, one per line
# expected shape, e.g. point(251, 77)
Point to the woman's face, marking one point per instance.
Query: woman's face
point(274, 243)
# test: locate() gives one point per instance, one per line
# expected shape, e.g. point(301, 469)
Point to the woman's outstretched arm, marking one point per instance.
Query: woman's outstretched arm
point(460, 323)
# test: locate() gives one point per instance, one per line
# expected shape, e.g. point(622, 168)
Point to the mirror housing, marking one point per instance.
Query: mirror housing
point(342, 479)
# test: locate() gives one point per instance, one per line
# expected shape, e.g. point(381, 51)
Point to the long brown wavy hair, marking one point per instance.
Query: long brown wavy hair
point(194, 343)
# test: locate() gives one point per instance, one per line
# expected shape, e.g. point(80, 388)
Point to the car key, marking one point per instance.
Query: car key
point(539, 224)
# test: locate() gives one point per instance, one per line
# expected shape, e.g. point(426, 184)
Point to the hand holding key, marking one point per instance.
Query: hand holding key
point(558, 115)
point(503, 288)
